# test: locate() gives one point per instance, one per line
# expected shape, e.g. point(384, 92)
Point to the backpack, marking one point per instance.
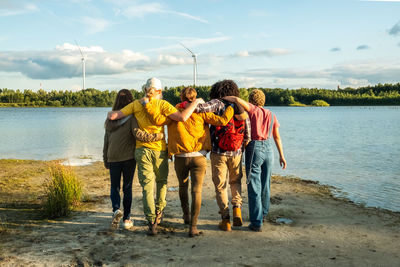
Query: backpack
point(230, 137)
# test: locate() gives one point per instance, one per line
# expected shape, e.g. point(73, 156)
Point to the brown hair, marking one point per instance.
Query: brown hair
point(224, 88)
point(188, 94)
point(124, 97)
point(257, 98)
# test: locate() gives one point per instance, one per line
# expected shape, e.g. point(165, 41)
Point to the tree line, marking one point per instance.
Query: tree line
point(381, 94)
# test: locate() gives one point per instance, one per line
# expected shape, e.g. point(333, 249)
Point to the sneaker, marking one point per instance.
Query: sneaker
point(128, 224)
point(117, 216)
point(255, 228)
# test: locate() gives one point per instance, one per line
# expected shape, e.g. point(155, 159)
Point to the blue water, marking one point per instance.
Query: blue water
point(355, 149)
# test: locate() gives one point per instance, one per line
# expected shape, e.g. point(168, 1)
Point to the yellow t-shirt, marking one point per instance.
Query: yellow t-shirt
point(161, 107)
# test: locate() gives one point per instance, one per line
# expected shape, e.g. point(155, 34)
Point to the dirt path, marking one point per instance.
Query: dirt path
point(325, 232)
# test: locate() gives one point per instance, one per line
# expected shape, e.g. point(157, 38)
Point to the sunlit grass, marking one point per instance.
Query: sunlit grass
point(3, 226)
point(63, 192)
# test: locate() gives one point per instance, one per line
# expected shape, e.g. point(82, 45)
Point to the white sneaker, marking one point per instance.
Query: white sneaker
point(117, 216)
point(128, 224)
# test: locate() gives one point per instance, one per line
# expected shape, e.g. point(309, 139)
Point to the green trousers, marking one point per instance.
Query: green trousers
point(152, 166)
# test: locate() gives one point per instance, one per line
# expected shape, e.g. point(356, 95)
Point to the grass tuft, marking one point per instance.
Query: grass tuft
point(63, 192)
point(3, 226)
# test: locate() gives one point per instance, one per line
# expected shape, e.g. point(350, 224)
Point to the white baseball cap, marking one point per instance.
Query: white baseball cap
point(152, 83)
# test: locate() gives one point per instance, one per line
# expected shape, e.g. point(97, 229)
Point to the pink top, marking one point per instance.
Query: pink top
point(260, 119)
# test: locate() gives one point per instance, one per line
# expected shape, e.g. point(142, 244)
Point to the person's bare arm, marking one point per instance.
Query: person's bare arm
point(278, 143)
point(115, 115)
point(238, 101)
point(187, 112)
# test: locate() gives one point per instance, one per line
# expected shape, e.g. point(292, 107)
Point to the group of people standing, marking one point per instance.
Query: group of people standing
point(135, 136)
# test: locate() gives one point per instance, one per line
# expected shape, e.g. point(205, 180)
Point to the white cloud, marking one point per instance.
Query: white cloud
point(347, 74)
point(192, 42)
point(372, 71)
point(95, 25)
point(65, 62)
point(142, 10)
point(14, 8)
point(246, 82)
point(185, 15)
point(85, 49)
point(172, 60)
point(264, 53)
point(354, 83)
point(244, 53)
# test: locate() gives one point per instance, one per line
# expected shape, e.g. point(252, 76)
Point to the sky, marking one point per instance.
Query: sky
point(271, 44)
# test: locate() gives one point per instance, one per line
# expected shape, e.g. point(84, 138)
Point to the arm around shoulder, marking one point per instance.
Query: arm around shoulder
point(238, 101)
point(187, 112)
point(216, 120)
point(144, 136)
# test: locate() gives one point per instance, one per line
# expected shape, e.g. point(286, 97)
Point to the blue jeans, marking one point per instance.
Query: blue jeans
point(127, 169)
point(259, 160)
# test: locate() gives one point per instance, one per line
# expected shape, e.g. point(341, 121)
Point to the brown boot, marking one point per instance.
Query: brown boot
point(237, 216)
point(225, 225)
point(152, 231)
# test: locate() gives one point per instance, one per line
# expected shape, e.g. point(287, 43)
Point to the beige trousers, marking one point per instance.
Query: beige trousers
point(224, 168)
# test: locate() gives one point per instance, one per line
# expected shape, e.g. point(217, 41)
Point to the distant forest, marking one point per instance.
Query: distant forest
point(381, 94)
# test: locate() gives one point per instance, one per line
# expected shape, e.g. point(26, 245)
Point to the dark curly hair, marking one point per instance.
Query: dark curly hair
point(224, 88)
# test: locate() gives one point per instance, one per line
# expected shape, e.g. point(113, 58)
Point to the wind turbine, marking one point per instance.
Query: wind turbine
point(83, 65)
point(194, 65)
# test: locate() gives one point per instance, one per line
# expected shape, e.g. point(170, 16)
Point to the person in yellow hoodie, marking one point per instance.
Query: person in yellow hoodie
point(190, 141)
point(151, 157)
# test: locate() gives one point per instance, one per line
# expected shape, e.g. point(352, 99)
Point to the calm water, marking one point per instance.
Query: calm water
point(356, 149)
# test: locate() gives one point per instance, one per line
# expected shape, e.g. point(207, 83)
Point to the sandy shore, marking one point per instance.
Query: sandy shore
point(325, 231)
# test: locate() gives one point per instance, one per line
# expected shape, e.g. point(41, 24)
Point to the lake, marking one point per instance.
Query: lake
point(355, 149)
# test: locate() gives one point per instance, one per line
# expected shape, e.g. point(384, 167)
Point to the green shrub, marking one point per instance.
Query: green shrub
point(320, 103)
point(297, 104)
point(63, 191)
